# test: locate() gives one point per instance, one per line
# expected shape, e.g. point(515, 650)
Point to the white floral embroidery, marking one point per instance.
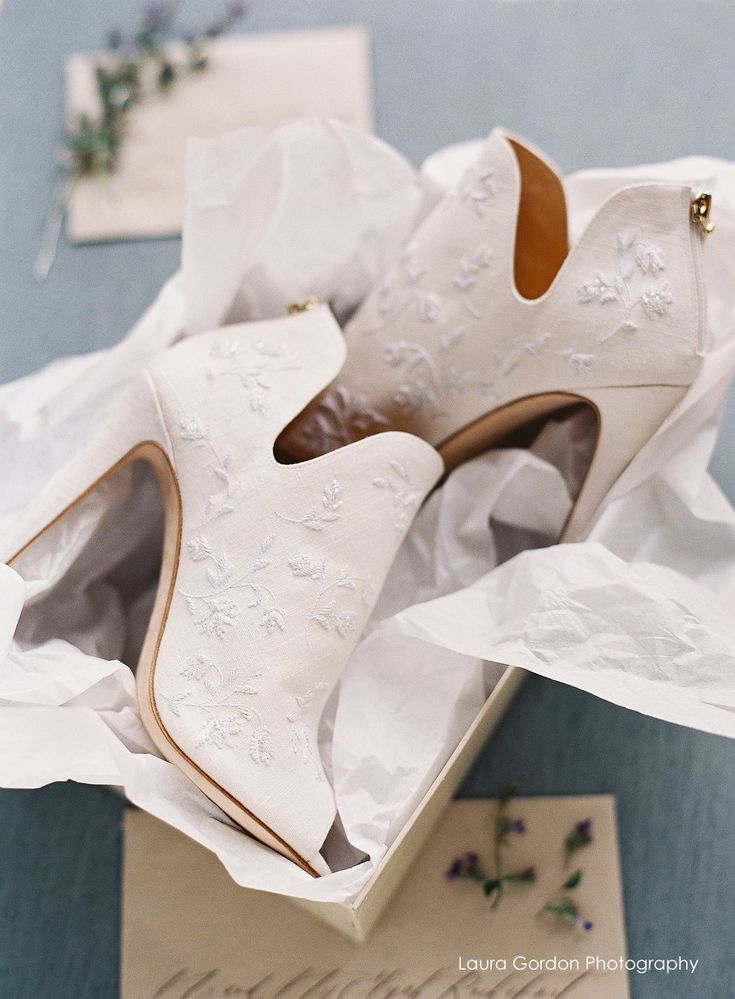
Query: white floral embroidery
point(401, 289)
point(261, 559)
point(413, 271)
point(198, 667)
point(466, 277)
point(508, 360)
point(452, 338)
point(223, 706)
point(218, 731)
point(437, 379)
point(624, 289)
point(429, 307)
point(193, 430)
point(305, 565)
point(220, 572)
point(410, 355)
point(389, 300)
point(315, 517)
point(657, 300)
point(199, 548)
point(304, 702)
point(212, 616)
point(431, 379)
point(347, 581)
point(218, 504)
point(273, 619)
point(214, 611)
point(406, 496)
point(254, 375)
point(411, 397)
point(261, 746)
point(477, 188)
point(434, 378)
point(300, 737)
point(328, 613)
point(387, 297)
point(581, 364)
point(648, 258)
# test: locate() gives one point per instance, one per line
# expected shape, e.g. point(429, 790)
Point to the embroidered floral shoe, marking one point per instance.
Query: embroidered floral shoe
point(488, 321)
point(269, 573)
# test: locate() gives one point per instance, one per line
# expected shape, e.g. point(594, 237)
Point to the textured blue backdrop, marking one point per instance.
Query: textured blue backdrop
point(593, 83)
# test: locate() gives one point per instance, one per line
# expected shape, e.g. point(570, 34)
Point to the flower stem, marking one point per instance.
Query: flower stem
point(52, 227)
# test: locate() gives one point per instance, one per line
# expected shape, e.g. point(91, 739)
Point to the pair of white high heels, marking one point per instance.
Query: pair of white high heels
point(488, 322)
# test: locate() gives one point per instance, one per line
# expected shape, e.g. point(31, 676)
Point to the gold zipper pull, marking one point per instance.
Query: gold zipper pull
point(303, 306)
point(701, 208)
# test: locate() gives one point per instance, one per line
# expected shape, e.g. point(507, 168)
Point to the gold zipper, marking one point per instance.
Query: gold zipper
point(700, 210)
point(303, 306)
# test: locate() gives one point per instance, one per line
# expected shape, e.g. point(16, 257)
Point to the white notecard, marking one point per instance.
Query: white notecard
point(190, 931)
point(251, 79)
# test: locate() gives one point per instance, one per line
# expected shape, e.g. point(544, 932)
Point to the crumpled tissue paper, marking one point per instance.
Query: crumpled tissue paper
point(639, 614)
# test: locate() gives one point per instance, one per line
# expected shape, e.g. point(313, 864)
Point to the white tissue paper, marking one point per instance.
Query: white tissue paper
point(640, 614)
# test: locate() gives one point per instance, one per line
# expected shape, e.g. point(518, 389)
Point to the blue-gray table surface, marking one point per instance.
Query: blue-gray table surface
point(594, 83)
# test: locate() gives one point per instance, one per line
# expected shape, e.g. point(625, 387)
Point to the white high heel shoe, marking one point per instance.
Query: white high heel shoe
point(269, 571)
point(489, 322)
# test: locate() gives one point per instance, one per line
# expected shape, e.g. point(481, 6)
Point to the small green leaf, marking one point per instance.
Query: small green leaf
point(490, 886)
point(573, 880)
point(564, 908)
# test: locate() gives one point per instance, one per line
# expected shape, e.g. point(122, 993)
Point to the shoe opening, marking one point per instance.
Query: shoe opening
point(542, 242)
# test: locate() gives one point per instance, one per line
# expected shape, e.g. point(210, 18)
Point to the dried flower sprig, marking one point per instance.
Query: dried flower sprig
point(564, 908)
point(122, 79)
point(469, 866)
point(580, 835)
point(129, 72)
point(567, 910)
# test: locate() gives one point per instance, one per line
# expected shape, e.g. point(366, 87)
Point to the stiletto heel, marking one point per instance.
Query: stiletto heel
point(269, 571)
point(627, 418)
point(133, 430)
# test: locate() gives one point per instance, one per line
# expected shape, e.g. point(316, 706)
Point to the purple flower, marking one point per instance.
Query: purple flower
point(580, 835)
point(456, 870)
point(513, 826)
point(585, 924)
point(584, 828)
point(471, 859)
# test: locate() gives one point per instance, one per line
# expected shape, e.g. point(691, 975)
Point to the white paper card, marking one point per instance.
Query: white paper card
point(250, 80)
point(188, 930)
